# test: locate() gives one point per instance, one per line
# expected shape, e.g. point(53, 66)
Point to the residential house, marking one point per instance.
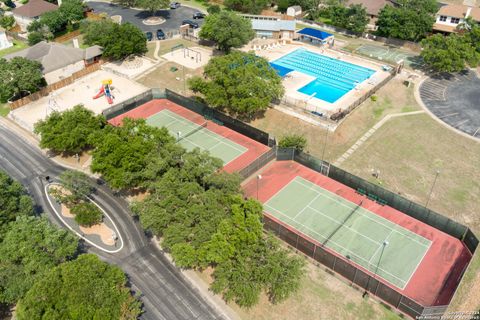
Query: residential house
point(450, 16)
point(372, 7)
point(31, 11)
point(4, 43)
point(59, 61)
point(294, 11)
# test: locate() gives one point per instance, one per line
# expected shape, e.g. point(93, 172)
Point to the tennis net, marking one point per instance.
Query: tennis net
point(200, 127)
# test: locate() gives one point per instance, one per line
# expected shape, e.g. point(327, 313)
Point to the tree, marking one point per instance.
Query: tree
point(213, 9)
point(118, 41)
point(14, 202)
point(30, 248)
point(246, 6)
point(54, 20)
point(242, 83)
point(87, 214)
point(7, 22)
point(121, 154)
point(19, 77)
point(69, 131)
point(153, 5)
point(411, 20)
point(227, 29)
point(78, 183)
point(85, 288)
point(293, 141)
point(72, 11)
point(353, 18)
point(449, 54)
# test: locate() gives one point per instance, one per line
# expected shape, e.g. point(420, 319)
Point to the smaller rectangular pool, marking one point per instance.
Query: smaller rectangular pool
point(333, 78)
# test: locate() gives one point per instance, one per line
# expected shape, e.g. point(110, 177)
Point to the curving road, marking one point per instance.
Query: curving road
point(166, 294)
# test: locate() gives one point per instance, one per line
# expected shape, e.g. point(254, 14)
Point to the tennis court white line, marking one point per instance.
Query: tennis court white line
point(418, 264)
point(348, 250)
point(380, 246)
point(307, 206)
point(365, 215)
point(206, 131)
point(342, 224)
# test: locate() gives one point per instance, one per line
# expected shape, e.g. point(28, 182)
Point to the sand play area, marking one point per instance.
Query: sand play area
point(79, 92)
point(192, 58)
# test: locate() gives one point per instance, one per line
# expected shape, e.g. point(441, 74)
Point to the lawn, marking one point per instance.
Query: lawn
point(202, 5)
point(392, 98)
point(321, 296)
point(17, 46)
point(4, 109)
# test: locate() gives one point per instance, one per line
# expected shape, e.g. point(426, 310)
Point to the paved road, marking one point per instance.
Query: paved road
point(173, 17)
point(166, 295)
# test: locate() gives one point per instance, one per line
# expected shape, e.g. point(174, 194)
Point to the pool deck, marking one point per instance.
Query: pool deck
point(296, 80)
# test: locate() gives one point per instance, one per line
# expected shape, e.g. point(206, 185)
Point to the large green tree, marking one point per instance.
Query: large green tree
point(242, 83)
point(121, 154)
point(19, 77)
point(118, 41)
point(353, 18)
point(410, 20)
point(85, 288)
point(69, 131)
point(227, 29)
point(30, 248)
point(78, 183)
point(246, 6)
point(152, 5)
point(14, 202)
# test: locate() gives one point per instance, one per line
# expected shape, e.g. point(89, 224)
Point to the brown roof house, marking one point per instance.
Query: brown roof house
point(372, 7)
point(58, 61)
point(450, 16)
point(31, 11)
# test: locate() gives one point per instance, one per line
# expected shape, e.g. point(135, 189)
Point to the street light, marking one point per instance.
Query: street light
point(259, 177)
point(384, 244)
point(431, 190)
point(325, 143)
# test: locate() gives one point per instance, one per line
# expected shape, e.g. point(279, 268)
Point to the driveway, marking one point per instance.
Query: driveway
point(173, 17)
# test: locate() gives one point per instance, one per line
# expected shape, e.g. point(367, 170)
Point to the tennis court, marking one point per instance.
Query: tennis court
point(384, 248)
point(390, 54)
point(191, 135)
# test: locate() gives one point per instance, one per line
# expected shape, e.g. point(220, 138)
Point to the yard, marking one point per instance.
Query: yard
point(4, 109)
point(17, 46)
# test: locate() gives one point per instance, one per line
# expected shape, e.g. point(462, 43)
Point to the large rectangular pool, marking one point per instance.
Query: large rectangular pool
point(333, 77)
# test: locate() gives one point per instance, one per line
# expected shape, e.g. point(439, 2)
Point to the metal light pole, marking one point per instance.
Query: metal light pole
point(325, 144)
point(431, 190)
point(384, 244)
point(259, 177)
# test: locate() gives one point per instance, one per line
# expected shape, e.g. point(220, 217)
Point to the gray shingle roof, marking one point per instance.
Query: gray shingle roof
point(34, 8)
point(273, 25)
point(52, 56)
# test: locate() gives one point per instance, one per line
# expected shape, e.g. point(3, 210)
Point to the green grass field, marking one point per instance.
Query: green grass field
point(4, 109)
point(17, 46)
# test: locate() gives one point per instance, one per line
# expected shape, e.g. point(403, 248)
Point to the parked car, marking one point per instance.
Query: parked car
point(160, 34)
point(198, 15)
point(10, 4)
point(149, 36)
point(191, 23)
point(174, 5)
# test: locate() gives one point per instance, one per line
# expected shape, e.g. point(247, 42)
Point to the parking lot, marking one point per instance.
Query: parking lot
point(173, 17)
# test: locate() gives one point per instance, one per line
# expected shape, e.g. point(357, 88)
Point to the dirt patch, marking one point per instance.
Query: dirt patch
point(73, 161)
point(105, 233)
point(66, 211)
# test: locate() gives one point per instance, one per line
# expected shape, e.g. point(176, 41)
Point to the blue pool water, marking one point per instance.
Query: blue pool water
point(333, 77)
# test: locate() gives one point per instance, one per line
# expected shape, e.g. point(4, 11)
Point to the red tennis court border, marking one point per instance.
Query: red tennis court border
point(438, 274)
point(255, 149)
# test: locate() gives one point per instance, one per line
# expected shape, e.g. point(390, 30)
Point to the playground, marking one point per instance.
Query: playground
point(81, 92)
point(189, 57)
point(194, 131)
point(372, 236)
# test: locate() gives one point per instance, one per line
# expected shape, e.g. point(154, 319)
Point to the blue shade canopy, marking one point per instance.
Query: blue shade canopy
point(319, 34)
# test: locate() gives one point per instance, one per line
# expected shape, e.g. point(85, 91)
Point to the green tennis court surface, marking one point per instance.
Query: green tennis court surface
point(391, 55)
point(365, 238)
point(192, 135)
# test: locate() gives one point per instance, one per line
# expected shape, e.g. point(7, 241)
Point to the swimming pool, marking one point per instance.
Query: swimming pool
point(333, 77)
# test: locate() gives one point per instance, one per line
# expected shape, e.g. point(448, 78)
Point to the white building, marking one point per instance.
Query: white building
point(450, 16)
point(4, 43)
point(31, 11)
point(294, 11)
point(58, 61)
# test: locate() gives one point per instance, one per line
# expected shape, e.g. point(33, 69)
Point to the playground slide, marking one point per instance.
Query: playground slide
point(108, 94)
point(100, 93)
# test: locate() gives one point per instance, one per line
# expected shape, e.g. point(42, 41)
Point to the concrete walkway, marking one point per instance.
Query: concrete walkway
point(370, 132)
point(157, 49)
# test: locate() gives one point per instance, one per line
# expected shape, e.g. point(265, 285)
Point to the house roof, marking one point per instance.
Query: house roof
point(459, 11)
point(296, 8)
point(92, 52)
point(273, 25)
point(373, 7)
point(444, 28)
point(52, 56)
point(34, 8)
point(315, 33)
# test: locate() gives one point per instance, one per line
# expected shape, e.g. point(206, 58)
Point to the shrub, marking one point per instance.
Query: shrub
point(86, 214)
point(7, 22)
point(373, 98)
point(293, 141)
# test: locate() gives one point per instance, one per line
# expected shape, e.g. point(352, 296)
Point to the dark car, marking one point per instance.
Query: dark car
point(191, 23)
point(10, 4)
point(174, 5)
point(198, 15)
point(149, 36)
point(160, 34)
